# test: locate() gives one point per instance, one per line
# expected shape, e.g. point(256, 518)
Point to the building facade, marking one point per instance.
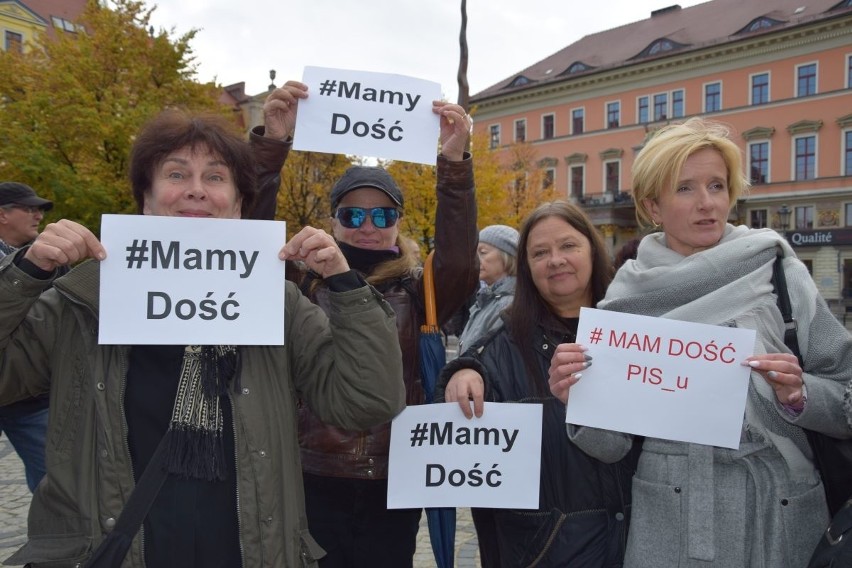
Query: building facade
point(22, 22)
point(777, 72)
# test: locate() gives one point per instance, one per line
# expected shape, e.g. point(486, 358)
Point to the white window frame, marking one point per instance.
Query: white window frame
point(515, 124)
point(604, 188)
point(751, 77)
point(768, 160)
point(815, 136)
point(765, 211)
point(552, 115)
point(491, 143)
point(571, 118)
point(847, 71)
point(796, 79)
point(552, 172)
point(582, 182)
point(704, 95)
point(671, 103)
point(647, 106)
point(606, 114)
point(653, 109)
point(794, 215)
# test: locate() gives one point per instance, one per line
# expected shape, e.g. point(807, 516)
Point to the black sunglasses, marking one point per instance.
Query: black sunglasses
point(354, 217)
point(31, 209)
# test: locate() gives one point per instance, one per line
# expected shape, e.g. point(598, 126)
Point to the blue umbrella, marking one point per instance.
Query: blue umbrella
point(433, 357)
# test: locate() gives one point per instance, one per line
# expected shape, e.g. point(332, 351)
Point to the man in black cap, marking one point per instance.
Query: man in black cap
point(24, 422)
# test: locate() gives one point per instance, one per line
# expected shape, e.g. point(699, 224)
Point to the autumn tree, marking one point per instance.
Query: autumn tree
point(417, 182)
point(69, 107)
point(530, 186)
point(306, 182)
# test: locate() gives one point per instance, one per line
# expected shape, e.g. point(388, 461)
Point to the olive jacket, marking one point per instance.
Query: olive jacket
point(53, 335)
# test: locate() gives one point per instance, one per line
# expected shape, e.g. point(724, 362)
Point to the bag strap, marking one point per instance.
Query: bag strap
point(136, 508)
point(779, 281)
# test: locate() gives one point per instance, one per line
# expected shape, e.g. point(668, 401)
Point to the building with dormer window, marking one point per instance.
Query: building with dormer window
point(778, 72)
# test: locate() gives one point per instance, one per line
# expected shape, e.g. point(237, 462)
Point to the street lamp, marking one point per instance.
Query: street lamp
point(784, 218)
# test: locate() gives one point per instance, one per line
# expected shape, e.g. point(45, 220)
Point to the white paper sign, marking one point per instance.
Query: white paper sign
point(662, 378)
point(368, 114)
point(188, 281)
point(439, 458)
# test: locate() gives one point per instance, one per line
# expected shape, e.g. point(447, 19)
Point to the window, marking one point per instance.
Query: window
point(547, 126)
point(612, 171)
point(759, 219)
point(548, 178)
point(805, 217)
point(758, 158)
point(613, 114)
point(806, 76)
point(63, 24)
point(848, 208)
point(495, 136)
point(519, 81)
point(577, 121)
point(577, 67)
point(677, 104)
point(576, 187)
point(14, 42)
point(521, 130)
point(712, 97)
point(660, 46)
point(849, 71)
point(805, 158)
point(661, 106)
point(758, 24)
point(760, 88)
point(847, 153)
point(642, 112)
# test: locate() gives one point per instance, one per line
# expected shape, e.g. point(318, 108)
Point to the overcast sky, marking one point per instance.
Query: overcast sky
point(243, 40)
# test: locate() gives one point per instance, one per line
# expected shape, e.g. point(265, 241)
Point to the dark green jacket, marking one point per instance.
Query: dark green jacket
point(53, 336)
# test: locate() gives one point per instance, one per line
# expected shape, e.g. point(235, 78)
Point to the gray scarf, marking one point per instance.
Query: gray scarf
point(729, 284)
point(194, 438)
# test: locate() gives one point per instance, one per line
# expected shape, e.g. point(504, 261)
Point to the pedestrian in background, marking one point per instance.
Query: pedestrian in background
point(497, 251)
point(24, 422)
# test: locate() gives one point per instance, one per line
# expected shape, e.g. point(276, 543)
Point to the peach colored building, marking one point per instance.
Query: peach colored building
point(778, 72)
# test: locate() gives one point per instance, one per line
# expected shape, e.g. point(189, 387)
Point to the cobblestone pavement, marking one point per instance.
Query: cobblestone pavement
point(467, 549)
point(14, 500)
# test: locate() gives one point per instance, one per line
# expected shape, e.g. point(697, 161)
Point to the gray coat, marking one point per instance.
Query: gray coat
point(54, 336)
point(485, 312)
point(762, 505)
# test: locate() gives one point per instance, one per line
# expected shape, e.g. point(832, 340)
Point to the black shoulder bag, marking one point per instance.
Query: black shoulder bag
point(113, 549)
point(832, 457)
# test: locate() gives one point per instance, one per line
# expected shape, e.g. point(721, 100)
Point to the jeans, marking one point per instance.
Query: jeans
point(28, 434)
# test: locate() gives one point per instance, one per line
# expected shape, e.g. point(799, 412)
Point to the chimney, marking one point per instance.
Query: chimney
point(661, 11)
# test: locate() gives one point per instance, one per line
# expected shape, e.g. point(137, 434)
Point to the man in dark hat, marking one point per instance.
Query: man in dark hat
point(24, 422)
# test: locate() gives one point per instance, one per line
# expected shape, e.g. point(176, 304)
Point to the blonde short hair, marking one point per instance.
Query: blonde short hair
point(661, 160)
